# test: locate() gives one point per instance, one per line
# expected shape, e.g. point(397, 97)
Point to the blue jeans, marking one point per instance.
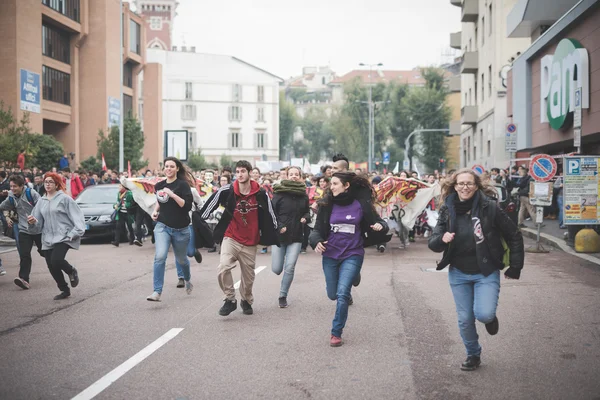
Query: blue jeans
point(191, 250)
point(339, 275)
point(476, 298)
point(559, 201)
point(165, 237)
point(284, 259)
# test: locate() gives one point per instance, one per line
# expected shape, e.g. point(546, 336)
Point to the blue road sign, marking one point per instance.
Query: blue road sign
point(386, 157)
point(511, 128)
point(543, 168)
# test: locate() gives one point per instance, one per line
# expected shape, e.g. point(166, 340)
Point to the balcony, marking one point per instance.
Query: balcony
point(468, 115)
point(455, 39)
point(68, 8)
point(454, 84)
point(470, 63)
point(457, 3)
point(455, 128)
point(470, 11)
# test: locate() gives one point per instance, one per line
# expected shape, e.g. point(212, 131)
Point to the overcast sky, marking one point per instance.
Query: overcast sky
point(281, 36)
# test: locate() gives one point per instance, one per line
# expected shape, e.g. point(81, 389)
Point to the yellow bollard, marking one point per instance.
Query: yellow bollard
point(587, 241)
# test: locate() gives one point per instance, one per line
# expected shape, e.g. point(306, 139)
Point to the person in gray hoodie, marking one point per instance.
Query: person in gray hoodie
point(62, 224)
point(22, 200)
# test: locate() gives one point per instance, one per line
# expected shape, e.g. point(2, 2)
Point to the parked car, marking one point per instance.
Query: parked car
point(506, 202)
point(97, 203)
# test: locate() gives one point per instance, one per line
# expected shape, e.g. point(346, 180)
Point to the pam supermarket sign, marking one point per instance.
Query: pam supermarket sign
point(561, 74)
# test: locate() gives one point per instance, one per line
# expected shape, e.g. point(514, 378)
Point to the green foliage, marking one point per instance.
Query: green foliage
point(196, 160)
point(42, 151)
point(91, 164)
point(317, 132)
point(287, 124)
point(133, 145)
point(226, 161)
point(296, 94)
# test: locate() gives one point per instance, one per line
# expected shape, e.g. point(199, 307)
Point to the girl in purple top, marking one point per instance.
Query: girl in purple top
point(345, 224)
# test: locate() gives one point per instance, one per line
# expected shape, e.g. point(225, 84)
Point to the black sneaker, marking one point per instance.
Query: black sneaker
point(350, 301)
point(356, 280)
point(213, 250)
point(493, 327)
point(74, 278)
point(228, 307)
point(246, 308)
point(283, 302)
point(471, 363)
point(116, 244)
point(138, 243)
point(198, 256)
point(62, 295)
point(381, 248)
point(180, 283)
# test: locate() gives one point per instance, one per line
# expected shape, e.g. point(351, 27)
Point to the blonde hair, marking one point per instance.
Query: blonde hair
point(449, 184)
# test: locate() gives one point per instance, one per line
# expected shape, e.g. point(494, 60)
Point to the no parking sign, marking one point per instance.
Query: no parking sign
point(542, 168)
point(478, 169)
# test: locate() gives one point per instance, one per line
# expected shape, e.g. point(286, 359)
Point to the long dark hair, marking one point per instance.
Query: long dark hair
point(357, 183)
point(183, 172)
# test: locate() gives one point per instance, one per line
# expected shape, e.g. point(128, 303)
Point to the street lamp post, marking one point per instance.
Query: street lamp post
point(371, 133)
point(407, 142)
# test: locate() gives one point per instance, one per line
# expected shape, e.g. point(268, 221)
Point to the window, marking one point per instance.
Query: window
point(261, 94)
point(235, 113)
point(56, 85)
point(490, 81)
point(465, 103)
point(134, 36)
point(489, 148)
point(261, 140)
point(128, 75)
point(464, 158)
point(475, 92)
point(68, 8)
point(481, 141)
point(482, 31)
point(469, 149)
point(490, 19)
point(476, 34)
point(260, 114)
point(482, 87)
point(237, 92)
point(191, 138)
point(56, 44)
point(127, 105)
point(188, 112)
point(156, 23)
point(235, 139)
point(188, 91)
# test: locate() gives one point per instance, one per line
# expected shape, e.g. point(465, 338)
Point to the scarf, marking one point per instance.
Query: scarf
point(343, 199)
point(463, 207)
point(292, 187)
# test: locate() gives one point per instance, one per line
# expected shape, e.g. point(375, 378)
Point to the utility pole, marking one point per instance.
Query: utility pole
point(371, 133)
point(121, 133)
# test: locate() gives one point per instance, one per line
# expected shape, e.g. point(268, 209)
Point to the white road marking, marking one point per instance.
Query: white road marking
point(256, 272)
point(101, 384)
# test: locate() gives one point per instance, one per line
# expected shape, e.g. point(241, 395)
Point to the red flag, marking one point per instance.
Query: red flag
point(103, 163)
point(129, 169)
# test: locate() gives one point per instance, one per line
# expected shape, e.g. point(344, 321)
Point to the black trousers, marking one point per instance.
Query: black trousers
point(55, 258)
point(307, 230)
point(121, 223)
point(143, 218)
point(26, 243)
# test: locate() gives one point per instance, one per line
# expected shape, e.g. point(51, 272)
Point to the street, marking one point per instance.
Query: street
point(401, 340)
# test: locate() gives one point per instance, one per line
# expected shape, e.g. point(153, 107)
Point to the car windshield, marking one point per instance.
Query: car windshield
point(98, 195)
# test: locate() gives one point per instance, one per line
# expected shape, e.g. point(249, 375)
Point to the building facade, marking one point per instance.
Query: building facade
point(159, 16)
point(61, 62)
point(564, 57)
point(487, 54)
point(311, 89)
point(228, 107)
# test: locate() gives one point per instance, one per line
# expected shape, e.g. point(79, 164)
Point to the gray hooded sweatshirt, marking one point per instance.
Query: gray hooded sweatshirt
point(60, 219)
point(23, 209)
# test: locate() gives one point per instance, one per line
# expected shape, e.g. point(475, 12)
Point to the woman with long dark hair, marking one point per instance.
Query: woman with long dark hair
point(346, 223)
point(290, 204)
point(471, 229)
point(171, 212)
point(62, 224)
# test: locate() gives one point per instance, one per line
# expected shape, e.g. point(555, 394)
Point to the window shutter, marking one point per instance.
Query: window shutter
point(240, 113)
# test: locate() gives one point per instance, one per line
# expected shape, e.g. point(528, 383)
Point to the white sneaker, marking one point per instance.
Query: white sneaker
point(2, 271)
point(188, 287)
point(154, 297)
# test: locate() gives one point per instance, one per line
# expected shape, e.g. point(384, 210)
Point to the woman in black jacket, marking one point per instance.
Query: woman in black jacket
point(470, 231)
point(346, 223)
point(290, 203)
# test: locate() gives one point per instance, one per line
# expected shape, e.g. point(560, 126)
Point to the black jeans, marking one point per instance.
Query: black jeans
point(143, 218)
point(55, 258)
point(307, 230)
point(121, 222)
point(26, 242)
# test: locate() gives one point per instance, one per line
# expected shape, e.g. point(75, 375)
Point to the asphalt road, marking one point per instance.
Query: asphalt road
point(401, 340)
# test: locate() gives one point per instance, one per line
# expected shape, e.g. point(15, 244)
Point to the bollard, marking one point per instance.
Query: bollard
point(587, 241)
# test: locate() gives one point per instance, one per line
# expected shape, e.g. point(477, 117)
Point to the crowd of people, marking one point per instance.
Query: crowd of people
point(332, 211)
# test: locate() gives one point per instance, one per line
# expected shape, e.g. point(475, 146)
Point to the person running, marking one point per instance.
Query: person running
point(344, 218)
point(125, 207)
point(171, 212)
point(22, 200)
point(470, 230)
point(62, 224)
point(290, 203)
point(248, 220)
point(191, 251)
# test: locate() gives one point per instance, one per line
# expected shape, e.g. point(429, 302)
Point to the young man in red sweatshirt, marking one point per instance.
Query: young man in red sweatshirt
point(248, 220)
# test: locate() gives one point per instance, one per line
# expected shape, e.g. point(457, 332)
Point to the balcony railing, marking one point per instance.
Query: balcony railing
point(470, 63)
point(455, 84)
point(468, 115)
point(470, 11)
point(68, 8)
point(455, 40)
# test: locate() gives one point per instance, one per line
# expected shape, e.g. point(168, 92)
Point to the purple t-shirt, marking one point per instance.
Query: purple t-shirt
point(345, 239)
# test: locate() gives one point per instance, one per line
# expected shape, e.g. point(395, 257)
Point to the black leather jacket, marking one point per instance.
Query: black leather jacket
point(496, 224)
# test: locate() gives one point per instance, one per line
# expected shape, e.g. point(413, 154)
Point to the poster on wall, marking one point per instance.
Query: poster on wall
point(114, 112)
point(580, 190)
point(176, 144)
point(30, 91)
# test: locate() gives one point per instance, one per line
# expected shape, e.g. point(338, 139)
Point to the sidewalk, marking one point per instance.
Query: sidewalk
point(552, 236)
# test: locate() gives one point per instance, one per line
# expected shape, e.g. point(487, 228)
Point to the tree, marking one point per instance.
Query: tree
point(287, 124)
point(317, 132)
point(225, 161)
point(91, 164)
point(196, 160)
point(133, 145)
point(44, 151)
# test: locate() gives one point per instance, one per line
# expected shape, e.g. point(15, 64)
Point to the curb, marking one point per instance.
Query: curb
point(557, 244)
point(7, 250)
